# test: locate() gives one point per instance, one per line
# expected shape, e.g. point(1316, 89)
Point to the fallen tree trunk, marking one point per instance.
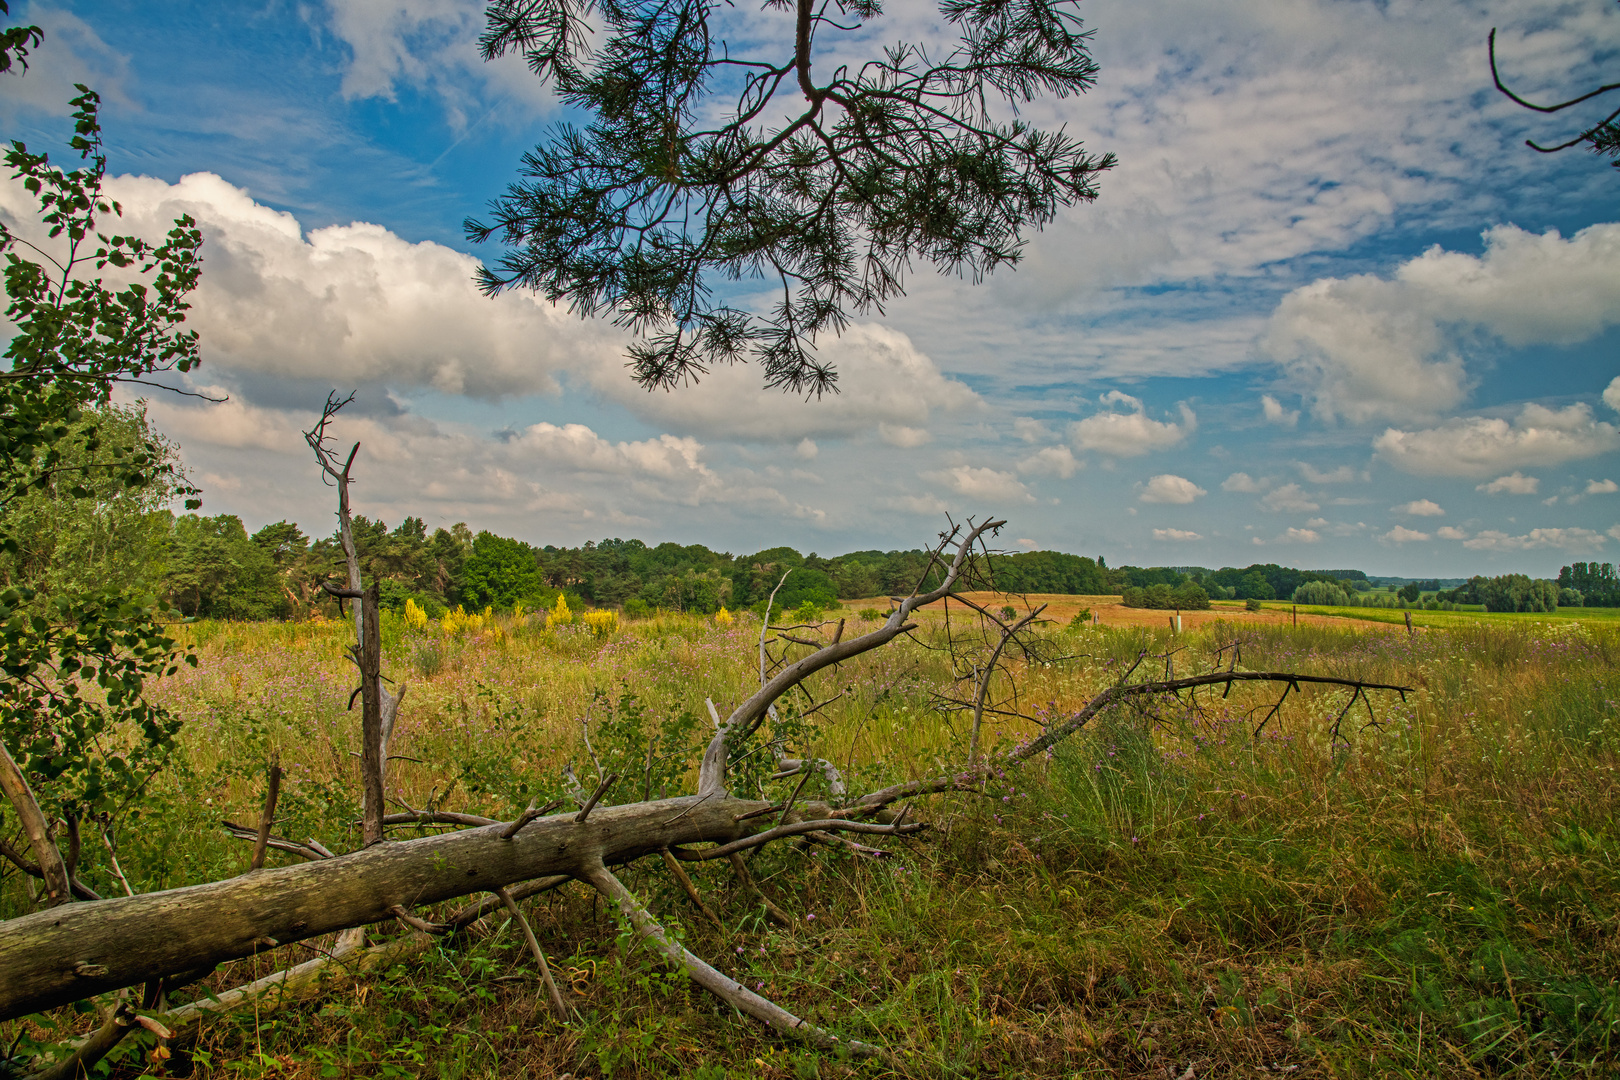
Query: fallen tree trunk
point(73, 951)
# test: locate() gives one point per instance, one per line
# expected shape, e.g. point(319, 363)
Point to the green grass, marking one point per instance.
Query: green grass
point(1436, 898)
point(1609, 616)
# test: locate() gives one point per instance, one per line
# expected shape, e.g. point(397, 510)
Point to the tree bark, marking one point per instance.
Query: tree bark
point(76, 950)
point(58, 888)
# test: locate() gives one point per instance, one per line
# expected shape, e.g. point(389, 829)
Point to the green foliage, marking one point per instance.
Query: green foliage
point(1251, 604)
point(216, 572)
point(691, 168)
point(1321, 592)
point(15, 41)
point(1597, 584)
point(650, 754)
point(77, 662)
point(84, 754)
point(112, 536)
point(500, 573)
point(1509, 592)
point(1187, 597)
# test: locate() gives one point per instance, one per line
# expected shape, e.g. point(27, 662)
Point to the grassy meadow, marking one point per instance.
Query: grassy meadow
point(1435, 895)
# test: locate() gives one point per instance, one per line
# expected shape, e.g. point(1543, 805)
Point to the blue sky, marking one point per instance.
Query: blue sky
point(1328, 311)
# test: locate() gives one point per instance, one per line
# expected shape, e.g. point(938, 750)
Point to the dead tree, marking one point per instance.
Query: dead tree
point(76, 950)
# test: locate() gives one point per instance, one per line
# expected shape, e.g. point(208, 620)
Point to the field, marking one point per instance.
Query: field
point(1435, 895)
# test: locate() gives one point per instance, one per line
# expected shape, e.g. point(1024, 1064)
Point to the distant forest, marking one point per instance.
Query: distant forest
point(125, 539)
point(214, 568)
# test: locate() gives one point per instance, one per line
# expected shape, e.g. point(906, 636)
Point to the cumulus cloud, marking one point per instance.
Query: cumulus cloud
point(1243, 483)
point(1058, 461)
point(1570, 540)
point(1601, 487)
point(1448, 532)
point(1289, 497)
point(1276, 414)
point(1611, 394)
point(1343, 474)
point(1402, 535)
point(353, 304)
point(1168, 488)
point(1374, 348)
point(906, 438)
point(887, 385)
point(1130, 434)
point(1030, 429)
point(1514, 483)
point(1479, 446)
point(1420, 508)
point(989, 485)
point(1298, 536)
point(1177, 535)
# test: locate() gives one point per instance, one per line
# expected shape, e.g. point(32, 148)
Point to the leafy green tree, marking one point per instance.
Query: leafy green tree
point(706, 158)
point(114, 534)
point(77, 739)
point(1410, 592)
point(217, 572)
point(500, 572)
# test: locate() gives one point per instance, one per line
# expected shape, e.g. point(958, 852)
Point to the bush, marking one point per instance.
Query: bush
point(1321, 592)
point(637, 608)
point(1251, 604)
point(871, 614)
point(1081, 618)
point(1188, 597)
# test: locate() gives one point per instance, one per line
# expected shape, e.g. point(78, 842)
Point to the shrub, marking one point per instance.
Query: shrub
point(1188, 597)
point(1081, 618)
point(723, 617)
point(871, 614)
point(1321, 592)
point(560, 615)
point(601, 623)
point(1251, 604)
point(415, 617)
point(637, 608)
point(1009, 612)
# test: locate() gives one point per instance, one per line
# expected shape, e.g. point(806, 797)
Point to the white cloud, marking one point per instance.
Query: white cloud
point(1130, 434)
point(1168, 488)
point(1611, 394)
point(1479, 446)
point(885, 385)
point(352, 304)
point(1027, 544)
point(1289, 497)
point(1030, 429)
point(1298, 536)
point(1601, 487)
point(807, 450)
point(1448, 532)
point(1515, 483)
point(1276, 414)
point(1402, 535)
point(1420, 508)
point(925, 505)
point(578, 447)
point(906, 438)
point(1343, 474)
point(1370, 348)
point(1570, 540)
point(989, 485)
point(1056, 461)
point(1177, 535)
point(1242, 482)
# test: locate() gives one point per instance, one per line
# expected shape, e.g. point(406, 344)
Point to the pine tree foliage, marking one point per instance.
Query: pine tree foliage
point(777, 157)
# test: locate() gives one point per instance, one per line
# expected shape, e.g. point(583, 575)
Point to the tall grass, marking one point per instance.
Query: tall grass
point(1435, 894)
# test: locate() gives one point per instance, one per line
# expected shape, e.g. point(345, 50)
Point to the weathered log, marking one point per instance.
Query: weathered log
point(76, 950)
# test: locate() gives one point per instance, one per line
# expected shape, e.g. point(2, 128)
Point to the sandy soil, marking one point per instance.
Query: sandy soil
point(1108, 610)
